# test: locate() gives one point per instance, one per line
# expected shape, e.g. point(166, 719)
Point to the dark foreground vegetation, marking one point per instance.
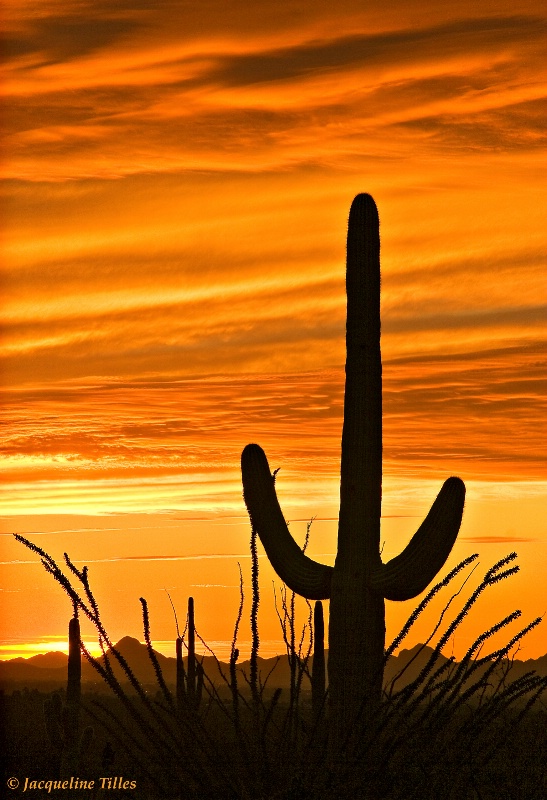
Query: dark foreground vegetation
point(444, 730)
point(505, 760)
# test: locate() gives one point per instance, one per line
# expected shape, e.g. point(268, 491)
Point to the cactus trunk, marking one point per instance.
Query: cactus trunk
point(180, 676)
point(318, 665)
point(357, 629)
point(63, 720)
point(191, 667)
point(189, 682)
point(70, 757)
point(359, 582)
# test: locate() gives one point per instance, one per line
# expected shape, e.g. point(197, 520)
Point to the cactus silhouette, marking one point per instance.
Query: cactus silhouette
point(359, 582)
point(318, 664)
point(63, 720)
point(190, 683)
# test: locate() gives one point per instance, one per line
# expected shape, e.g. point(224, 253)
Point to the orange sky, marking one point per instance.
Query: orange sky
point(177, 179)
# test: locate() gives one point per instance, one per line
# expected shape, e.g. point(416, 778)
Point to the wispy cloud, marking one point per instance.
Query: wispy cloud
point(200, 557)
point(496, 539)
point(124, 94)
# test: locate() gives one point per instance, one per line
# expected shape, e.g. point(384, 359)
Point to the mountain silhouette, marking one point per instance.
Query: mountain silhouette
point(45, 670)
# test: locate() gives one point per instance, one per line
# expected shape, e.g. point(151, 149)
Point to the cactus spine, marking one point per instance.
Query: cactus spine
point(359, 582)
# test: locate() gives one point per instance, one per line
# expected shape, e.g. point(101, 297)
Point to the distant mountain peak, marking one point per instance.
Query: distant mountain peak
point(51, 660)
point(416, 649)
point(129, 642)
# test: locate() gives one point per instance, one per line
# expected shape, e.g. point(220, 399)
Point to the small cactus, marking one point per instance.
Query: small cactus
point(359, 582)
point(181, 676)
point(189, 682)
point(63, 720)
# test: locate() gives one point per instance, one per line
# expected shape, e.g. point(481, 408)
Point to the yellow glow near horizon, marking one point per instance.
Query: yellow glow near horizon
point(50, 644)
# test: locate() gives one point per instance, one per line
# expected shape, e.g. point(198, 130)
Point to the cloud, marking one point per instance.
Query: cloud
point(496, 539)
point(511, 126)
point(528, 316)
point(383, 50)
point(214, 586)
point(199, 557)
point(64, 38)
point(166, 442)
point(176, 196)
point(114, 92)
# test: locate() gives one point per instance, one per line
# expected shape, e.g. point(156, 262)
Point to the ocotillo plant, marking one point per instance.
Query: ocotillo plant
point(359, 582)
point(63, 721)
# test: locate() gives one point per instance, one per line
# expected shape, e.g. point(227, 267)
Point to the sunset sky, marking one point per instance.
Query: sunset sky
point(176, 181)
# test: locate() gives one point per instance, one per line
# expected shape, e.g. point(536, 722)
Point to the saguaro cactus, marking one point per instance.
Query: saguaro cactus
point(189, 683)
point(359, 582)
point(63, 720)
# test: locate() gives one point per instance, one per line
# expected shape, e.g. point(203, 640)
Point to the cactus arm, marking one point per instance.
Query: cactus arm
point(408, 574)
point(301, 574)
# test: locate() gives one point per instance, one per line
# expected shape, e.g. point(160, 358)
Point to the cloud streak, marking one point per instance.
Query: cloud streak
point(142, 100)
point(179, 440)
point(497, 539)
